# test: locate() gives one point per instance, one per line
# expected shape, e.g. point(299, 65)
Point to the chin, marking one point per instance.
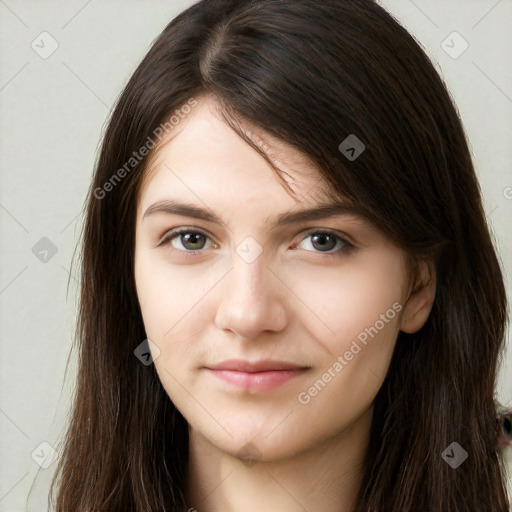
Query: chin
point(252, 444)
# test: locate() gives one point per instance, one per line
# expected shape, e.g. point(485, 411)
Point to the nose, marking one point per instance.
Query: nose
point(252, 299)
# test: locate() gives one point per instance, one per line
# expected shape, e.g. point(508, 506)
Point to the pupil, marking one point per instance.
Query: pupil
point(322, 239)
point(189, 238)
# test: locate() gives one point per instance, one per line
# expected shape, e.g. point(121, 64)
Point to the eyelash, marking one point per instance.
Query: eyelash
point(345, 249)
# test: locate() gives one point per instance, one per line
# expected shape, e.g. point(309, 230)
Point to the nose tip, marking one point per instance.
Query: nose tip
point(251, 300)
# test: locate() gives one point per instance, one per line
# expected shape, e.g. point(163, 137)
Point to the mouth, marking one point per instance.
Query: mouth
point(256, 376)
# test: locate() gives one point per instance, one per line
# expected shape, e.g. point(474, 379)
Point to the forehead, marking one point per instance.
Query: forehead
point(203, 150)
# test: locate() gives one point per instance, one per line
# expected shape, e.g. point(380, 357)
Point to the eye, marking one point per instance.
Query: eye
point(190, 240)
point(193, 241)
point(326, 241)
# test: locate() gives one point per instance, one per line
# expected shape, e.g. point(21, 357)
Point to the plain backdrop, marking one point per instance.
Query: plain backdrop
point(53, 113)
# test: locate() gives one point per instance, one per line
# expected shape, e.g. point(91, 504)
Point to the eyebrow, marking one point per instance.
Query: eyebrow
point(321, 211)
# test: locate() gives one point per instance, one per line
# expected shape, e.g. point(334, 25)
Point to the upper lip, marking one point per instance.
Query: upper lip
point(256, 366)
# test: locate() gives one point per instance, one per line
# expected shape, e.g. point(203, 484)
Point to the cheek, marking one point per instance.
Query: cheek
point(343, 301)
point(167, 293)
point(172, 306)
point(350, 376)
point(362, 307)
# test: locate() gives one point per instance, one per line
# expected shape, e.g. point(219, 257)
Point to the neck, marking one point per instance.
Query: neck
point(326, 476)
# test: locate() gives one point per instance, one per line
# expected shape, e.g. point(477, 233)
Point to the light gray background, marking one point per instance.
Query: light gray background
point(53, 113)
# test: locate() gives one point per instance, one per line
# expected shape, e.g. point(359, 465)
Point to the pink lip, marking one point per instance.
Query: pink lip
point(258, 376)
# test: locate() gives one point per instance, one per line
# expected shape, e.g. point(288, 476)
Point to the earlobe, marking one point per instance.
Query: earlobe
point(419, 304)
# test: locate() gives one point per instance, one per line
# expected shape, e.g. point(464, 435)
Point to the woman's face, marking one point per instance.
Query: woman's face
point(316, 314)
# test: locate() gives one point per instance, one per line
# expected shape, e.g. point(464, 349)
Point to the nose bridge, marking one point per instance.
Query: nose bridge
point(250, 277)
point(251, 299)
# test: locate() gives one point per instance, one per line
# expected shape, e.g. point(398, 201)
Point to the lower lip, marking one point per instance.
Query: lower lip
point(257, 381)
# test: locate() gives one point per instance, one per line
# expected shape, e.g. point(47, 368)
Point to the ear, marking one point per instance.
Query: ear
point(419, 304)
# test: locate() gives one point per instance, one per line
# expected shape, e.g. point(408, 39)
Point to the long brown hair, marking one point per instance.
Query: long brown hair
point(309, 73)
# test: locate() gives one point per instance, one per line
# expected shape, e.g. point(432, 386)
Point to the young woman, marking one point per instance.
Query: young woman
point(290, 298)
